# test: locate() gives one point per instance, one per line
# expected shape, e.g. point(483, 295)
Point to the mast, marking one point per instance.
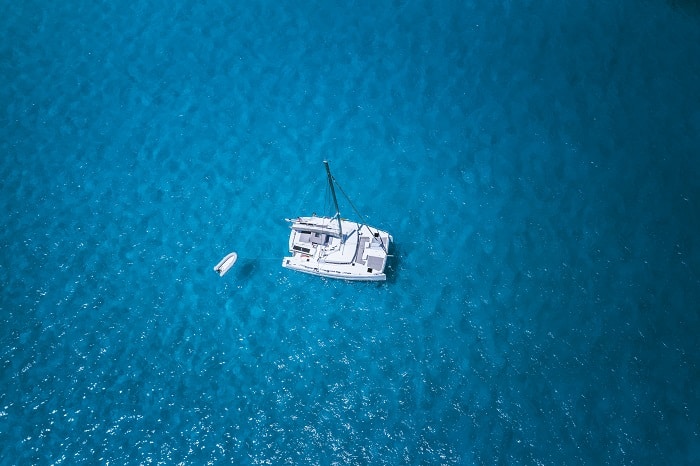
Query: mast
point(335, 200)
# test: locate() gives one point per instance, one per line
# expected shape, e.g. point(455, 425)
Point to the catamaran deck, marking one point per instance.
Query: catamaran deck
point(317, 248)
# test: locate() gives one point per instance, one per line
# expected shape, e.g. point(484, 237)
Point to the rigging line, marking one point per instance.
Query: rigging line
point(381, 241)
point(311, 187)
point(328, 207)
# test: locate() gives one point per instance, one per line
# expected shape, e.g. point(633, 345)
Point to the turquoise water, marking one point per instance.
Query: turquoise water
point(536, 163)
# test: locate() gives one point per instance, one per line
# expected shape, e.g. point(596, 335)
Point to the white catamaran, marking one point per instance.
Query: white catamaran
point(337, 248)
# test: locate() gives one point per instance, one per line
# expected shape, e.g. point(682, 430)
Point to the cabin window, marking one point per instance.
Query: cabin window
point(319, 238)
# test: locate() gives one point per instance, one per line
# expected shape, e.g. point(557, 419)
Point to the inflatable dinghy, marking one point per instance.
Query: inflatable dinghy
point(225, 264)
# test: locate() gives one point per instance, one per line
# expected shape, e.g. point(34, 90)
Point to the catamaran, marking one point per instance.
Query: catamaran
point(335, 247)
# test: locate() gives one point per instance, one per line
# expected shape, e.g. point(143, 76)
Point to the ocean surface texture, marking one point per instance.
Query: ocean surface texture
point(536, 162)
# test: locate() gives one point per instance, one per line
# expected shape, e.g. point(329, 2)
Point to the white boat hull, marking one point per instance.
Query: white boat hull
point(331, 273)
point(225, 264)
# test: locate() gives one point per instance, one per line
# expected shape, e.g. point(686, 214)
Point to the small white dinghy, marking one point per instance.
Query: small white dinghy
point(225, 264)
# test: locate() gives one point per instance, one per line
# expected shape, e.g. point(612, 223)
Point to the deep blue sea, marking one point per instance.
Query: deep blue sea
point(537, 163)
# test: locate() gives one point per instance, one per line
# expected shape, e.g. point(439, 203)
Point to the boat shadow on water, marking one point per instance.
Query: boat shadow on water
point(246, 268)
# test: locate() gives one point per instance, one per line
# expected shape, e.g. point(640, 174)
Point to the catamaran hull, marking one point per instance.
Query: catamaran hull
point(289, 263)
